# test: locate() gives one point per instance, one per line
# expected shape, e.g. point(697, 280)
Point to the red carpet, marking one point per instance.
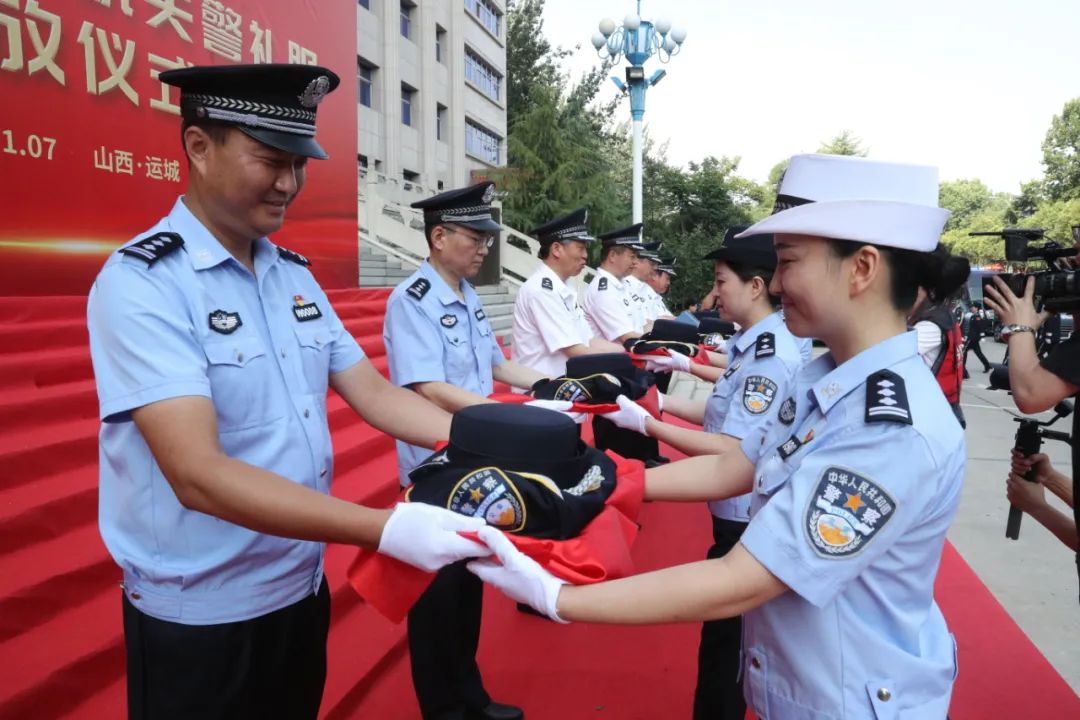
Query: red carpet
point(60, 642)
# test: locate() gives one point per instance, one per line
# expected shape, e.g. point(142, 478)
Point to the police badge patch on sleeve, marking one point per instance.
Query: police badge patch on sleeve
point(787, 411)
point(758, 394)
point(845, 511)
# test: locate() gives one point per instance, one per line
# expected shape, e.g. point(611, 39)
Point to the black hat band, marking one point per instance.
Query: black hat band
point(786, 202)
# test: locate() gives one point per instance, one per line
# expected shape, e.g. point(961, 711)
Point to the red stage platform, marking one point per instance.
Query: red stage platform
point(60, 637)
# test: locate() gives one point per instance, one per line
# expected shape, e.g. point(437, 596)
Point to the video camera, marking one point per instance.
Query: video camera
point(1057, 289)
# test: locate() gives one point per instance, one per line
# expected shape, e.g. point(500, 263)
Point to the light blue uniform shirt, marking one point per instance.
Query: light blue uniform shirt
point(851, 514)
point(432, 336)
point(197, 322)
point(749, 394)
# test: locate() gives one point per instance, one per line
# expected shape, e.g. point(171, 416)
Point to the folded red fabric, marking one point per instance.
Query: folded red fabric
point(600, 552)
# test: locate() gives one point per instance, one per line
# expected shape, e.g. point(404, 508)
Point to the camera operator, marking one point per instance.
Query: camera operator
point(1035, 386)
point(1031, 496)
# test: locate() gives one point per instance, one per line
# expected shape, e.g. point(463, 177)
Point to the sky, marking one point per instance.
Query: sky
point(969, 86)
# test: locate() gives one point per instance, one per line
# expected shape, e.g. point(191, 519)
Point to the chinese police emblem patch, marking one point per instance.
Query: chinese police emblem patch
point(489, 494)
point(758, 394)
point(845, 511)
point(448, 320)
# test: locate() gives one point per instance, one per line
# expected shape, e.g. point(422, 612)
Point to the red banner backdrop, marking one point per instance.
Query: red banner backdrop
point(90, 149)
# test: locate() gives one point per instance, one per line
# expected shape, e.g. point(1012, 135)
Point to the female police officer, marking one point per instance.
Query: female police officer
point(851, 501)
point(762, 361)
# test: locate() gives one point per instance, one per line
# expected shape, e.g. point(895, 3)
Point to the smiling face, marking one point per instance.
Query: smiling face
point(245, 186)
point(734, 297)
point(812, 284)
point(569, 257)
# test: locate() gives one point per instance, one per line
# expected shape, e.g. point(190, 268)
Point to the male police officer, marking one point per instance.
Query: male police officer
point(607, 300)
point(659, 284)
point(213, 349)
point(440, 344)
point(637, 284)
point(549, 326)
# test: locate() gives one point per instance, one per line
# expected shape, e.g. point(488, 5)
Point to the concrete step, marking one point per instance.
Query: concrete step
point(498, 309)
point(501, 324)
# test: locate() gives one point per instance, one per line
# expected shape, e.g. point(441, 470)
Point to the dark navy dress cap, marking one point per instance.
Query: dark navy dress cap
point(572, 226)
point(756, 250)
point(522, 469)
point(673, 330)
point(625, 237)
point(272, 103)
point(668, 265)
point(468, 207)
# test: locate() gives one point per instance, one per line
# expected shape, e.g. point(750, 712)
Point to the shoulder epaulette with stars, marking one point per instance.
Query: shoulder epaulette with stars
point(602, 285)
point(765, 345)
point(153, 248)
point(886, 398)
point(293, 256)
point(547, 284)
point(418, 289)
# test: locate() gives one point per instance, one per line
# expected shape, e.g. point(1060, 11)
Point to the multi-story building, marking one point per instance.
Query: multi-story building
point(432, 93)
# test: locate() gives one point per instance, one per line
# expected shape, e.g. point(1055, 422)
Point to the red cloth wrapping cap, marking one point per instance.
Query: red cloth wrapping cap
point(600, 552)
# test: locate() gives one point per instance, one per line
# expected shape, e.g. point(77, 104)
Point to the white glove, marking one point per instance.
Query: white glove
point(562, 406)
point(518, 576)
point(427, 536)
point(674, 361)
point(629, 416)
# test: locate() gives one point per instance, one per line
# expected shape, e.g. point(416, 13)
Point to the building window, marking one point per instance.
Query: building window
point(406, 18)
point(440, 122)
point(366, 79)
point(366, 4)
point(363, 160)
point(410, 176)
point(482, 75)
point(440, 45)
point(481, 142)
point(486, 12)
point(408, 94)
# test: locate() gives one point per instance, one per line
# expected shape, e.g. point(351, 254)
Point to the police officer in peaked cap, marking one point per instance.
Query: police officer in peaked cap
point(440, 344)
point(549, 323)
point(213, 349)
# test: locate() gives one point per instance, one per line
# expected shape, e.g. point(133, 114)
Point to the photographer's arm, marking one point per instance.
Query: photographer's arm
point(1034, 388)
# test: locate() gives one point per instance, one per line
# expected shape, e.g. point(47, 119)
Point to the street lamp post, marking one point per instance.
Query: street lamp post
point(638, 40)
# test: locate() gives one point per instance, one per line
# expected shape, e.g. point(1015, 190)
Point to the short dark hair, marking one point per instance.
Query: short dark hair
point(908, 269)
point(544, 251)
point(216, 129)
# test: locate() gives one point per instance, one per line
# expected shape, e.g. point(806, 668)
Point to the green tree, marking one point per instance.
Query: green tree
point(844, 143)
point(531, 63)
point(1061, 154)
point(968, 198)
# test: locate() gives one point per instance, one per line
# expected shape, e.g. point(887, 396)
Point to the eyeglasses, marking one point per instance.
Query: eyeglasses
point(480, 241)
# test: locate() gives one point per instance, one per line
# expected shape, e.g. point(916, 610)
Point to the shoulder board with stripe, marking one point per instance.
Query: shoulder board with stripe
point(765, 345)
point(886, 398)
point(293, 257)
point(153, 248)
